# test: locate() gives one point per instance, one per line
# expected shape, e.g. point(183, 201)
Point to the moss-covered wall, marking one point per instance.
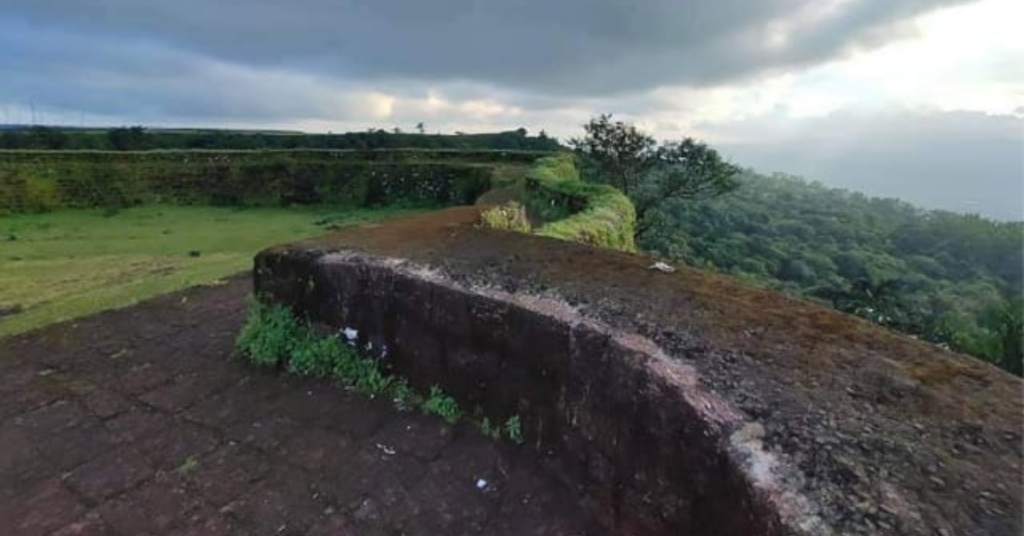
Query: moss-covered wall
point(40, 181)
point(594, 214)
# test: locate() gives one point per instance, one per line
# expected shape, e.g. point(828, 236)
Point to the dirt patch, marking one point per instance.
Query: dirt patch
point(137, 421)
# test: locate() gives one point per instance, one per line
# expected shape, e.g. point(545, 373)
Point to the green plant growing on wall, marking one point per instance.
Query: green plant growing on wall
point(272, 336)
point(315, 356)
point(490, 429)
point(403, 395)
point(269, 335)
point(514, 429)
point(442, 405)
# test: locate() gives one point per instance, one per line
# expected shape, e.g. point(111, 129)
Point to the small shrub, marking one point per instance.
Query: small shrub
point(442, 405)
point(402, 394)
point(514, 429)
point(269, 334)
point(315, 356)
point(489, 429)
point(508, 217)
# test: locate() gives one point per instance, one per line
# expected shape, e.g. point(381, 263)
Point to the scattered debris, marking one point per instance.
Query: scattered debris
point(350, 334)
point(481, 484)
point(663, 267)
point(386, 449)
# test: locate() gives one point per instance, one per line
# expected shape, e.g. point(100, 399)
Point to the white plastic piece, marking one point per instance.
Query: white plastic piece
point(662, 267)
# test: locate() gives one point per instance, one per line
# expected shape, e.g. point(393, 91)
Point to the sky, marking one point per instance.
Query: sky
point(917, 99)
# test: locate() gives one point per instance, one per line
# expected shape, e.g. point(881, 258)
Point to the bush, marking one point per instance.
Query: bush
point(442, 405)
point(270, 334)
point(316, 356)
point(598, 215)
point(508, 217)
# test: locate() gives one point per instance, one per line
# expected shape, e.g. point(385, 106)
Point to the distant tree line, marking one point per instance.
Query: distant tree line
point(137, 138)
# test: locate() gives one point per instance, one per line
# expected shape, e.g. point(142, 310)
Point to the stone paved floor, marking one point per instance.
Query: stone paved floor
point(137, 422)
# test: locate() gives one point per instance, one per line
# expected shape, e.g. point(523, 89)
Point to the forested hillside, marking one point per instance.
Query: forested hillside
point(950, 278)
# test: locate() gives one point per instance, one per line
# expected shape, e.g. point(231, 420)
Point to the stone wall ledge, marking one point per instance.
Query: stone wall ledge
point(682, 403)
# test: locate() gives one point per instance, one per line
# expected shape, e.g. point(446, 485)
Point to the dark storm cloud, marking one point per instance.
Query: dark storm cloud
point(103, 75)
point(578, 47)
point(961, 161)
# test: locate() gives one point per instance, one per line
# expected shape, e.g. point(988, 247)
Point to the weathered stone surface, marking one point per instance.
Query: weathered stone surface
point(222, 448)
point(684, 403)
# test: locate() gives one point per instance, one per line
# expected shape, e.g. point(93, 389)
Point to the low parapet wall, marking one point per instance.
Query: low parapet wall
point(682, 403)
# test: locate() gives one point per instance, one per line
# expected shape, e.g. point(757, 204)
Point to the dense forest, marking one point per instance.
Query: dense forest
point(141, 139)
point(949, 278)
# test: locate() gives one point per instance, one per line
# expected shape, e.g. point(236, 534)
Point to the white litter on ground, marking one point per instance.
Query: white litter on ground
point(662, 267)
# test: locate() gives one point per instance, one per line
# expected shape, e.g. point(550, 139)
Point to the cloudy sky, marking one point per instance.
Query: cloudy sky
point(919, 99)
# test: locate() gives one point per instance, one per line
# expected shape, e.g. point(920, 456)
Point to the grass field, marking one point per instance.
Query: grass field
point(63, 264)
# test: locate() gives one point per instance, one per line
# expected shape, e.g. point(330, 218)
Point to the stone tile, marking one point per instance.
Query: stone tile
point(141, 378)
point(226, 473)
point(422, 436)
point(266, 432)
point(70, 448)
point(138, 423)
point(89, 525)
point(284, 503)
point(317, 449)
point(110, 474)
point(16, 452)
point(185, 391)
point(334, 525)
point(172, 447)
point(53, 418)
point(104, 403)
point(41, 510)
point(155, 508)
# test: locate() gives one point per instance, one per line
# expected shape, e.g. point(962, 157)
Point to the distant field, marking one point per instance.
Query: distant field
point(59, 265)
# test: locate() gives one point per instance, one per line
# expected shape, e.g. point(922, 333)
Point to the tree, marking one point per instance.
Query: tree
point(615, 152)
point(619, 154)
point(1011, 337)
point(421, 128)
point(687, 170)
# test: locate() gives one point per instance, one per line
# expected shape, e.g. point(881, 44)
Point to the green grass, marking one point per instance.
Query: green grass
point(60, 265)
